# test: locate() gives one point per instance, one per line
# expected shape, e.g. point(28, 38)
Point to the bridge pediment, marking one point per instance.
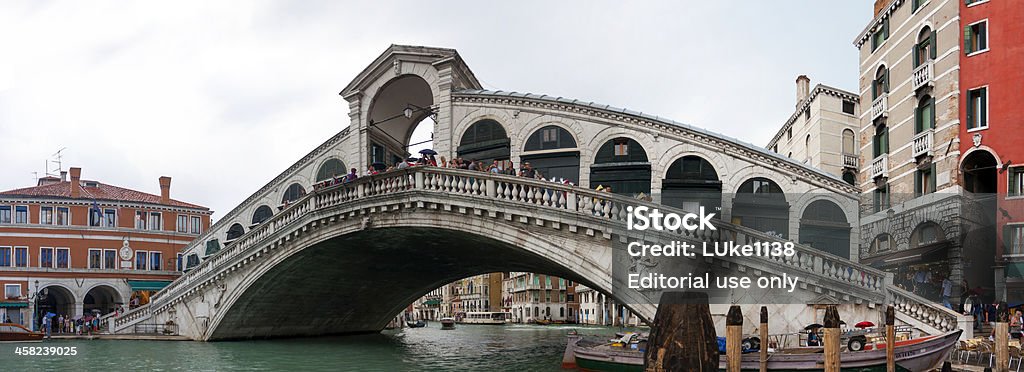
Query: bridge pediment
point(390, 63)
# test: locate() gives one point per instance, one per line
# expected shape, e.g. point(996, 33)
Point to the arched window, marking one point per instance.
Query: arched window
point(823, 226)
point(849, 145)
point(549, 138)
point(262, 213)
point(880, 141)
point(621, 163)
point(485, 140)
point(542, 155)
point(880, 85)
point(924, 50)
point(924, 115)
point(882, 243)
point(850, 177)
point(692, 182)
point(925, 234)
point(293, 193)
point(760, 204)
point(330, 169)
point(235, 231)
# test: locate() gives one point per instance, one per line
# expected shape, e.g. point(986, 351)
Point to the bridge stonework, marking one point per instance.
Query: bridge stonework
point(347, 258)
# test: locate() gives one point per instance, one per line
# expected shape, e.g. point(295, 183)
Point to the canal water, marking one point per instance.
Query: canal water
point(466, 348)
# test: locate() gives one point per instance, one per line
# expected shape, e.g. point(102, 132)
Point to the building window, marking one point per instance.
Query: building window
point(46, 257)
point(848, 107)
point(807, 114)
point(916, 4)
point(880, 85)
point(140, 220)
point(924, 115)
point(95, 217)
point(977, 108)
point(155, 259)
point(12, 291)
point(848, 141)
point(924, 181)
point(140, 260)
point(182, 223)
point(95, 258)
point(63, 216)
point(20, 256)
point(21, 214)
point(1014, 239)
point(110, 217)
point(976, 37)
point(5, 214)
point(880, 141)
point(924, 50)
point(377, 153)
point(154, 221)
point(178, 262)
point(881, 198)
point(1016, 176)
point(109, 258)
point(789, 133)
point(197, 225)
point(46, 215)
point(5, 256)
point(881, 34)
point(621, 148)
point(63, 258)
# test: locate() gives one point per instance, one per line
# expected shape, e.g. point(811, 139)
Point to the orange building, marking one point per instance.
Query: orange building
point(77, 247)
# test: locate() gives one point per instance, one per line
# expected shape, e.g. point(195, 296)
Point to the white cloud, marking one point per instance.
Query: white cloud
point(224, 95)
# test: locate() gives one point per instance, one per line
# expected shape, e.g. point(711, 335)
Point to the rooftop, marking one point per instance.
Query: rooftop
point(93, 190)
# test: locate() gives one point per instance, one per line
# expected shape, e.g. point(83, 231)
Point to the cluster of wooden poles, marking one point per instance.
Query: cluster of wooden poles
point(683, 337)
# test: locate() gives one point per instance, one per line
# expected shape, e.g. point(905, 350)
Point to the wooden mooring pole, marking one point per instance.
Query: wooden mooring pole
point(763, 330)
point(733, 338)
point(832, 335)
point(890, 339)
point(682, 335)
point(1002, 331)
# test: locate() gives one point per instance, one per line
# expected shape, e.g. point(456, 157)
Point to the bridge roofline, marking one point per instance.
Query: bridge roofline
point(437, 56)
point(837, 182)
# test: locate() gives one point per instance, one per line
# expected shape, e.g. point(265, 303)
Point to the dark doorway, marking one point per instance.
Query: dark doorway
point(761, 205)
point(692, 182)
point(823, 226)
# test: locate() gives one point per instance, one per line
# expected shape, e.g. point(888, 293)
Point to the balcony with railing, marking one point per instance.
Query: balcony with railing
point(880, 106)
point(924, 75)
point(851, 161)
point(923, 143)
point(880, 166)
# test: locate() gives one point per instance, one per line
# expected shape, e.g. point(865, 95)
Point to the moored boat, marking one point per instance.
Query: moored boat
point(447, 323)
point(10, 332)
point(918, 354)
point(485, 317)
point(417, 324)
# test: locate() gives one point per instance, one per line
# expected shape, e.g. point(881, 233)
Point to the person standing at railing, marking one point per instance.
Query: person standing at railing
point(351, 176)
point(947, 291)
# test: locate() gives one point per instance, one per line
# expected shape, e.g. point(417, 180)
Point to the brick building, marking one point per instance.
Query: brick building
point(75, 246)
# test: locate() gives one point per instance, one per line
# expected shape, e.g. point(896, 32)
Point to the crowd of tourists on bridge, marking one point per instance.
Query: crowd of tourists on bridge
point(429, 158)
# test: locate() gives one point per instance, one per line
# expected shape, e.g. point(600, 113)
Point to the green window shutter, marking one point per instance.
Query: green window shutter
point(918, 190)
point(983, 108)
point(933, 186)
point(917, 61)
point(934, 42)
point(917, 120)
point(885, 29)
point(1013, 182)
point(970, 110)
point(874, 89)
point(885, 82)
point(967, 40)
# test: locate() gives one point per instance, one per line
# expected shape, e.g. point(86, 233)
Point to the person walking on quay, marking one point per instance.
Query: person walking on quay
point(947, 291)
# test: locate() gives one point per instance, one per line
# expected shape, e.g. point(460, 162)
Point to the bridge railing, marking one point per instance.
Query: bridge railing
point(537, 194)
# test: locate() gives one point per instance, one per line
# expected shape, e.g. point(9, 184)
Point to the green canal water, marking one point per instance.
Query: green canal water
point(467, 348)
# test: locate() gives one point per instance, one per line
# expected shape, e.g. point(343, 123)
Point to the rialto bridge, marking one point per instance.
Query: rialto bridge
point(299, 257)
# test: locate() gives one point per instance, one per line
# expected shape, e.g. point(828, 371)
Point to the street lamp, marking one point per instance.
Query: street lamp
point(36, 296)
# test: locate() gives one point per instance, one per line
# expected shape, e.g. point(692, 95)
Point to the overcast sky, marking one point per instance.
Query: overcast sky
point(222, 96)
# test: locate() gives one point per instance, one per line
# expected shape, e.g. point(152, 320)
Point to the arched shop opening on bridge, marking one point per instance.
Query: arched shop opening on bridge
point(823, 226)
point(692, 182)
point(486, 141)
point(261, 214)
point(55, 299)
point(622, 164)
point(292, 193)
point(553, 152)
point(760, 204)
point(101, 299)
point(330, 169)
point(403, 109)
point(142, 290)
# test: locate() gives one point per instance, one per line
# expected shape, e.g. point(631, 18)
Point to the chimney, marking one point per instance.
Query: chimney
point(63, 176)
point(879, 5)
point(76, 178)
point(803, 88)
point(165, 190)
